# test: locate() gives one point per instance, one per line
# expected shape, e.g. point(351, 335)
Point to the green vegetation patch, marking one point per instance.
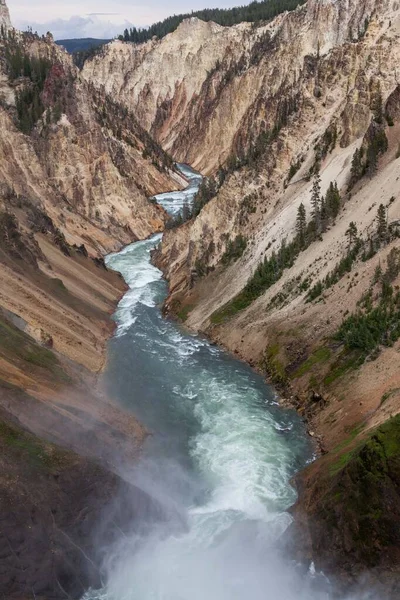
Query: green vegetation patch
point(34, 70)
point(383, 442)
point(340, 448)
point(273, 266)
point(38, 454)
point(14, 344)
point(273, 365)
point(361, 498)
point(373, 326)
point(346, 361)
point(254, 12)
point(320, 355)
point(184, 312)
point(234, 250)
point(240, 302)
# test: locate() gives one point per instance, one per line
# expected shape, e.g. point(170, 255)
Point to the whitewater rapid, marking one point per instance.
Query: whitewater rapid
point(219, 462)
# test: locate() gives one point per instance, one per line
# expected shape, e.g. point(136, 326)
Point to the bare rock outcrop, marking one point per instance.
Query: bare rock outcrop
point(5, 22)
point(206, 92)
point(79, 155)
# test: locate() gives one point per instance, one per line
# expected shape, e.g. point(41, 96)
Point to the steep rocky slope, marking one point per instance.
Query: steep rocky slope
point(326, 87)
point(4, 16)
point(50, 501)
point(91, 178)
point(76, 172)
point(76, 169)
point(206, 92)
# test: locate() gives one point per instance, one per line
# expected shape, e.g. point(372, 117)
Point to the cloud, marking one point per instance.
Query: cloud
point(96, 25)
point(92, 18)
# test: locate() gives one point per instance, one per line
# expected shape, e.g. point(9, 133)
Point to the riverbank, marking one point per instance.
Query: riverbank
point(62, 438)
point(220, 460)
point(344, 403)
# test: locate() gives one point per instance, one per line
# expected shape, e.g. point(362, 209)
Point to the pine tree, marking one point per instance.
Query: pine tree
point(393, 264)
point(351, 234)
point(378, 145)
point(377, 274)
point(316, 201)
point(382, 228)
point(332, 200)
point(372, 160)
point(357, 167)
point(323, 215)
point(301, 223)
point(186, 212)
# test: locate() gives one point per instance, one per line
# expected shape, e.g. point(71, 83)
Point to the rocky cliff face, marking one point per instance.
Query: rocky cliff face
point(322, 87)
point(5, 21)
point(76, 171)
point(91, 178)
point(274, 105)
point(328, 111)
point(207, 91)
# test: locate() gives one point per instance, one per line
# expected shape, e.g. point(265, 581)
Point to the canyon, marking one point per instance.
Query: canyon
point(73, 187)
point(270, 112)
point(258, 108)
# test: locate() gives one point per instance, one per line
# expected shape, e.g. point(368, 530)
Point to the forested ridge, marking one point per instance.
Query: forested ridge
point(256, 11)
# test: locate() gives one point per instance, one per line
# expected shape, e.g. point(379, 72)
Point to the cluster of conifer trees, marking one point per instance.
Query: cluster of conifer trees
point(271, 268)
point(365, 160)
point(378, 324)
point(29, 103)
point(256, 11)
point(357, 248)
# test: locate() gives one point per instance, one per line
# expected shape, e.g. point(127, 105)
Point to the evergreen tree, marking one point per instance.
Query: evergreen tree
point(351, 234)
point(378, 109)
point(323, 215)
point(357, 167)
point(316, 201)
point(332, 200)
point(378, 145)
point(256, 11)
point(301, 224)
point(377, 274)
point(393, 264)
point(186, 212)
point(382, 228)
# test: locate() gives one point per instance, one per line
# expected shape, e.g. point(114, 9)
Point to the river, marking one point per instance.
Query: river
point(219, 460)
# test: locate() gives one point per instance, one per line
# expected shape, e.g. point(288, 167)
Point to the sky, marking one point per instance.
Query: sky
point(99, 18)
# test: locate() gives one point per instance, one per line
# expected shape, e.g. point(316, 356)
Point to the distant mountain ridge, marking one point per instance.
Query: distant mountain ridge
point(81, 44)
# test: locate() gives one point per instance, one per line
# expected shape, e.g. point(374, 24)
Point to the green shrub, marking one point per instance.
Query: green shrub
point(234, 250)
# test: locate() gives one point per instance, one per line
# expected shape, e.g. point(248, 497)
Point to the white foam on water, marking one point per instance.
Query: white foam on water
point(173, 202)
point(243, 454)
point(134, 263)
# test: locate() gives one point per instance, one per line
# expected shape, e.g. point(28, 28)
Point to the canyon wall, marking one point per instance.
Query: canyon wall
point(4, 15)
point(76, 172)
point(323, 87)
point(266, 109)
point(206, 92)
